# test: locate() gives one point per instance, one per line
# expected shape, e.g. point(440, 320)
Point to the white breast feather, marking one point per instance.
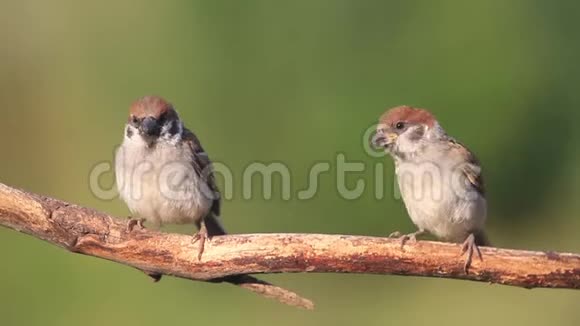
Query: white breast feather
point(159, 183)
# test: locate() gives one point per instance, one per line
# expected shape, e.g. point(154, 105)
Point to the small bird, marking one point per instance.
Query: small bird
point(439, 178)
point(163, 174)
point(165, 177)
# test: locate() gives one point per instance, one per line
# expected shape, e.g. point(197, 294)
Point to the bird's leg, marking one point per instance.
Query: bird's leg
point(469, 246)
point(407, 237)
point(132, 222)
point(202, 237)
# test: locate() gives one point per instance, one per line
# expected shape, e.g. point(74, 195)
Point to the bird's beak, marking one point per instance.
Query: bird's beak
point(383, 140)
point(150, 127)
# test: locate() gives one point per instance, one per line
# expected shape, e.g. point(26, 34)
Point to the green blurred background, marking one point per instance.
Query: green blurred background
point(294, 82)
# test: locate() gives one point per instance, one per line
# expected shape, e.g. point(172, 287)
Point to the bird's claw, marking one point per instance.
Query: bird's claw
point(395, 234)
point(202, 237)
point(469, 247)
point(132, 222)
point(404, 238)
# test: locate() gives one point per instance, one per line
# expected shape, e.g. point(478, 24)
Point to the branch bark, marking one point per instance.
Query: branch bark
point(83, 230)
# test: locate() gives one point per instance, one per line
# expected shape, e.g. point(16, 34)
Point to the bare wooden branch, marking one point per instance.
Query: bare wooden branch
point(88, 232)
point(85, 231)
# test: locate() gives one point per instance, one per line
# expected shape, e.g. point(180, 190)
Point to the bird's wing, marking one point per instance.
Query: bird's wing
point(471, 170)
point(202, 166)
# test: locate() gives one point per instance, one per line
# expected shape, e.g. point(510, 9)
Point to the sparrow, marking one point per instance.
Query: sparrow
point(440, 180)
point(163, 174)
point(165, 177)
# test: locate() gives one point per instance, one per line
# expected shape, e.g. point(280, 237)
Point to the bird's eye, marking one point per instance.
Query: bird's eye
point(134, 119)
point(400, 125)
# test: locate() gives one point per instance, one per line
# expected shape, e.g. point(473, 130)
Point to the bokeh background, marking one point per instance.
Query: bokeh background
point(294, 82)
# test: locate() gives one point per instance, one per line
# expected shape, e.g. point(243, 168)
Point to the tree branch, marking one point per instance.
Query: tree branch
point(88, 232)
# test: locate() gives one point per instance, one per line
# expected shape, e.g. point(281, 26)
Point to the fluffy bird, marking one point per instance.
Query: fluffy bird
point(165, 177)
point(163, 174)
point(439, 178)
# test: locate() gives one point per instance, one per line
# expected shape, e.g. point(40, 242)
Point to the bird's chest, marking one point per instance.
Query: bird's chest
point(426, 191)
point(160, 184)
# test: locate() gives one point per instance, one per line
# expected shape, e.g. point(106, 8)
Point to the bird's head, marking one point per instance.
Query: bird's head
point(153, 118)
point(402, 130)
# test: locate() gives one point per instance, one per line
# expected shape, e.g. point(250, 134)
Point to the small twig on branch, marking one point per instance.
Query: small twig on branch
point(88, 232)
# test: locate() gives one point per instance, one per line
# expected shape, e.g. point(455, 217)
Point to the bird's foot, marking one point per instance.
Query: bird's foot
point(469, 246)
point(396, 235)
point(201, 236)
point(132, 222)
point(404, 238)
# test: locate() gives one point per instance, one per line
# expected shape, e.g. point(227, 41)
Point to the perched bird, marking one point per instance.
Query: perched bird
point(439, 178)
point(163, 174)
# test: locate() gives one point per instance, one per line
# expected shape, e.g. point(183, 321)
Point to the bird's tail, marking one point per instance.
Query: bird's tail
point(213, 225)
point(481, 239)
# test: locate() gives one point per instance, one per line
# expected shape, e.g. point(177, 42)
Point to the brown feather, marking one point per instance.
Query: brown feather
point(472, 170)
point(407, 114)
point(150, 106)
point(202, 166)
